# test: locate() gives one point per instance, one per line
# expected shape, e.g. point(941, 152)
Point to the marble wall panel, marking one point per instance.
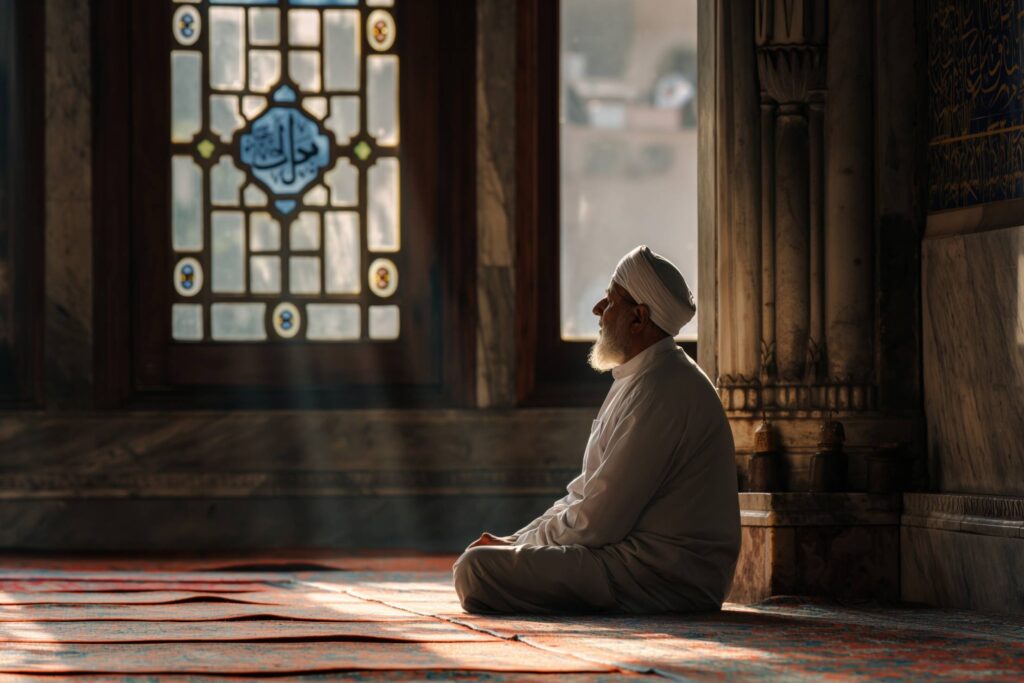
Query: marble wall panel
point(496, 333)
point(973, 300)
point(427, 523)
point(957, 569)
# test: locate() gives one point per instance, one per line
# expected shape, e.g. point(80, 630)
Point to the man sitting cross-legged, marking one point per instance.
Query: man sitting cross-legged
point(652, 523)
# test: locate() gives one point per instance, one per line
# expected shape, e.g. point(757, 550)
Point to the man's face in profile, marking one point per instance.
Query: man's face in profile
point(616, 312)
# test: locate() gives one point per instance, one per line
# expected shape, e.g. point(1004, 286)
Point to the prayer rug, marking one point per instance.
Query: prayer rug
point(204, 611)
point(275, 597)
point(412, 630)
point(284, 658)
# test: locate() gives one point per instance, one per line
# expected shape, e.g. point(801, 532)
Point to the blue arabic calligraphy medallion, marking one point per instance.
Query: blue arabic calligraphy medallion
point(285, 150)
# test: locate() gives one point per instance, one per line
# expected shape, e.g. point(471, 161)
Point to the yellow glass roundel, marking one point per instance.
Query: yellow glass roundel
point(287, 320)
point(186, 25)
point(383, 277)
point(188, 277)
point(380, 30)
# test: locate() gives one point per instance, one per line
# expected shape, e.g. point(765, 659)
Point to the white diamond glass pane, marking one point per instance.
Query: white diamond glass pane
point(304, 68)
point(225, 182)
point(383, 322)
point(187, 322)
point(383, 211)
point(628, 158)
point(264, 26)
point(343, 182)
point(225, 118)
point(265, 274)
point(264, 232)
point(227, 48)
point(341, 49)
point(382, 98)
point(186, 204)
point(304, 28)
point(264, 69)
point(304, 275)
point(342, 253)
point(344, 118)
point(306, 232)
point(238, 322)
point(332, 322)
point(228, 258)
point(186, 95)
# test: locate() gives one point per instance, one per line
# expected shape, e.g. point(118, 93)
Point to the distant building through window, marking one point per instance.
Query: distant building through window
point(628, 145)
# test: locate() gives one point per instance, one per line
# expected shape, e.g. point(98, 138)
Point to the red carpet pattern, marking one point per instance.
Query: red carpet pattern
point(369, 618)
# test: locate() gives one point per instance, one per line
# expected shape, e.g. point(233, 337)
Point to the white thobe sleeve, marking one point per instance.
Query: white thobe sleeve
point(555, 508)
point(637, 459)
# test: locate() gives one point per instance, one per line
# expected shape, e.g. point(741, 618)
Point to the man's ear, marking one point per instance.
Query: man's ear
point(641, 315)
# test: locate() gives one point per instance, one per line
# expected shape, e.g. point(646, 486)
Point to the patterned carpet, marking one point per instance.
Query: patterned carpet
point(397, 618)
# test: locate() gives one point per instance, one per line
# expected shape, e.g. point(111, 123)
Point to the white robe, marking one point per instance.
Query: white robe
point(656, 506)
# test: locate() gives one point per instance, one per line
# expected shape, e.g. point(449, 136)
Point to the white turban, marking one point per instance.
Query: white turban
point(653, 280)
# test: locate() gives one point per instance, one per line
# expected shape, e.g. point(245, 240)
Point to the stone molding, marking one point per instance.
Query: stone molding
point(819, 509)
point(972, 514)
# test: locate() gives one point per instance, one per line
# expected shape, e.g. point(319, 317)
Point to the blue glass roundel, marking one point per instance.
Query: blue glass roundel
point(285, 150)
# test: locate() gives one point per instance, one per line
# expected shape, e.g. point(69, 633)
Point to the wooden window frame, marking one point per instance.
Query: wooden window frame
point(550, 370)
point(119, 380)
point(22, 212)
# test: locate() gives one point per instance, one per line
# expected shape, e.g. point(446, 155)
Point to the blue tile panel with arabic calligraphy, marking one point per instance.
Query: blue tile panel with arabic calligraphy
point(285, 150)
point(976, 102)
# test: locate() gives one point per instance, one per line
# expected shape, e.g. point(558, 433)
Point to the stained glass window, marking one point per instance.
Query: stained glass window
point(285, 171)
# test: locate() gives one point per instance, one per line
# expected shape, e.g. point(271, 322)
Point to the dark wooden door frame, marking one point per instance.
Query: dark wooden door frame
point(22, 206)
point(115, 380)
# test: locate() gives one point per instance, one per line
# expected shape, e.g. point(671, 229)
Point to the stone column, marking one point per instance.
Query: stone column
point(739, 208)
point(849, 198)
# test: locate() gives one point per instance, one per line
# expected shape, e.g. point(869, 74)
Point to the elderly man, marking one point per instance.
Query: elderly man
point(652, 523)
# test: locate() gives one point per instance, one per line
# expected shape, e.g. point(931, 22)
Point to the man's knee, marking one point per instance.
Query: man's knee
point(468, 576)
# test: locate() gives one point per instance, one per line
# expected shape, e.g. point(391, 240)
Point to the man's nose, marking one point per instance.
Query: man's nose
point(600, 306)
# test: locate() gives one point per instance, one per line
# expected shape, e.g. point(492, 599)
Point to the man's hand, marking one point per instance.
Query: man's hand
point(491, 539)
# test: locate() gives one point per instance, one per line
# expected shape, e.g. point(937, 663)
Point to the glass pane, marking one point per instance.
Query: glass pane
point(186, 95)
point(186, 204)
point(238, 322)
point(225, 182)
point(326, 3)
point(343, 181)
point(383, 211)
point(254, 196)
point(304, 28)
point(382, 98)
point(265, 274)
point(344, 118)
point(341, 49)
point(253, 106)
point(304, 69)
point(264, 232)
point(306, 232)
point(227, 48)
point(188, 277)
point(380, 3)
point(332, 322)
point(317, 106)
point(316, 197)
point(187, 25)
point(304, 275)
point(287, 320)
point(628, 145)
point(187, 322)
point(228, 258)
point(383, 322)
point(264, 69)
point(224, 116)
point(265, 26)
point(341, 252)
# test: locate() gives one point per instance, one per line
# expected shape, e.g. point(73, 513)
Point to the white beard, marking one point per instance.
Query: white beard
point(609, 351)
